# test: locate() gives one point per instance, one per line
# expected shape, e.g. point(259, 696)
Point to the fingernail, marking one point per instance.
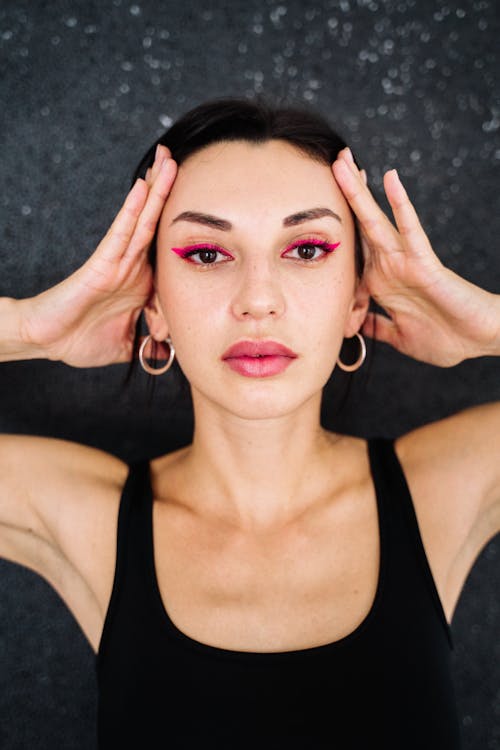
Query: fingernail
point(348, 155)
point(343, 164)
point(135, 188)
point(157, 152)
point(164, 163)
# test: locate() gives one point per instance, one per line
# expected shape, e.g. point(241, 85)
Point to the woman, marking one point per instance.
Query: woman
point(273, 583)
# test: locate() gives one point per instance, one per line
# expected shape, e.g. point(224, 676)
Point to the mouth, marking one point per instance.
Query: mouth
point(258, 350)
point(259, 359)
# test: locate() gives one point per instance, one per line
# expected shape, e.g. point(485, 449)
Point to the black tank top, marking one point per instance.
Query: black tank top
point(385, 685)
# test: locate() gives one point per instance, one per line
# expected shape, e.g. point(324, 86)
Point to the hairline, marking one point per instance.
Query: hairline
point(259, 141)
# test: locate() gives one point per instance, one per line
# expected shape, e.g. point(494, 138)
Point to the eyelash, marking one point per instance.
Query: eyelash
point(189, 252)
point(327, 248)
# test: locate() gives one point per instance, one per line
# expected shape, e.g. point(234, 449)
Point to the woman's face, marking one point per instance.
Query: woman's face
point(278, 266)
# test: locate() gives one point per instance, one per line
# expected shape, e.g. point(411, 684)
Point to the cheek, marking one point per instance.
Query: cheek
point(319, 317)
point(193, 311)
point(320, 309)
point(329, 288)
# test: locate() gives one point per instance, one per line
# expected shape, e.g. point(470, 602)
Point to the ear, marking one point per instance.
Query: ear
point(359, 308)
point(155, 318)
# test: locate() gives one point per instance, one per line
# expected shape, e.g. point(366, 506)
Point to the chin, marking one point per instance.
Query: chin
point(266, 398)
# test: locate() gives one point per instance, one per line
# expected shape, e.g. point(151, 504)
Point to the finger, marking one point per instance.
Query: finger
point(148, 220)
point(381, 328)
point(162, 153)
point(373, 222)
point(405, 216)
point(346, 154)
point(118, 236)
point(155, 168)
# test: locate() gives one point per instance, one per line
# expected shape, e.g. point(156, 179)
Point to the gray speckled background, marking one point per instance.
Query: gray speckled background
point(85, 87)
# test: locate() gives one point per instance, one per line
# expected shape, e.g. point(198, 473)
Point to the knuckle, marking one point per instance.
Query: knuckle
point(407, 228)
point(118, 235)
point(128, 213)
point(354, 193)
point(371, 225)
point(162, 192)
point(402, 202)
point(137, 248)
point(149, 224)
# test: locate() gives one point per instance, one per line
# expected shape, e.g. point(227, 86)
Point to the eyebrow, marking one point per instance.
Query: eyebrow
point(308, 215)
point(206, 219)
point(289, 221)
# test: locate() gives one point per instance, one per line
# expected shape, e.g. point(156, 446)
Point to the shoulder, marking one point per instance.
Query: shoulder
point(54, 494)
point(63, 480)
point(82, 483)
point(44, 476)
point(458, 454)
point(59, 457)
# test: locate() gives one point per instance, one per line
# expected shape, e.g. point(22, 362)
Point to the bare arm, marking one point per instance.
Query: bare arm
point(59, 506)
point(86, 320)
point(48, 489)
point(12, 346)
point(452, 466)
point(453, 470)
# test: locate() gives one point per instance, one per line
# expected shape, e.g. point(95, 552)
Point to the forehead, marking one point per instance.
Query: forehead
point(271, 177)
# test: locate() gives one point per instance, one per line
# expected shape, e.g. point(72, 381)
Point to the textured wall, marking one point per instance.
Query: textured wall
point(85, 87)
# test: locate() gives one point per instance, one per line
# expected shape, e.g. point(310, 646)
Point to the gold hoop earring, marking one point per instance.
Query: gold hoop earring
point(156, 370)
point(362, 355)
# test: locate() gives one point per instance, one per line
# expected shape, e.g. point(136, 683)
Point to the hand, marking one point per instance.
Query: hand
point(89, 319)
point(434, 315)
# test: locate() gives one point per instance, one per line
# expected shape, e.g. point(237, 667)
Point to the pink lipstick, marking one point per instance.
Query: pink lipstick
point(258, 359)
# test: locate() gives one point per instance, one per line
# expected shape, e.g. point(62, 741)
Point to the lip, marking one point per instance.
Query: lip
point(255, 348)
point(259, 359)
point(258, 349)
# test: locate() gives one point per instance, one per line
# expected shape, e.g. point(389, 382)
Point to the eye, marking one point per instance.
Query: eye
point(202, 255)
point(310, 250)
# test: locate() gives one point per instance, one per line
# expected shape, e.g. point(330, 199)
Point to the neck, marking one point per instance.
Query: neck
point(256, 474)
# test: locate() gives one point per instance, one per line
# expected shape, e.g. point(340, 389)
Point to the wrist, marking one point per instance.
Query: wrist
point(491, 345)
point(15, 343)
point(475, 319)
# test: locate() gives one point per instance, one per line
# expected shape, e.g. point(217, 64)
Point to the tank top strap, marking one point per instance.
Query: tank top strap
point(393, 494)
point(399, 524)
point(133, 548)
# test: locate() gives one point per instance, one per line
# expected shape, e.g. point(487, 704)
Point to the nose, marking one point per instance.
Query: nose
point(258, 293)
